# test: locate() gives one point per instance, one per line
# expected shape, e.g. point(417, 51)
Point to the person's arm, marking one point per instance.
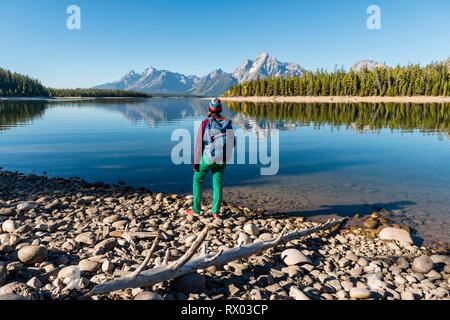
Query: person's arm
point(199, 146)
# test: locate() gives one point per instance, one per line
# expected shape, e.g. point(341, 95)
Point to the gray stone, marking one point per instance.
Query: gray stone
point(9, 226)
point(107, 266)
point(85, 238)
point(297, 294)
point(20, 289)
point(244, 239)
point(12, 297)
point(3, 273)
point(30, 255)
point(7, 212)
point(190, 283)
point(149, 296)
point(407, 295)
point(395, 234)
point(251, 229)
point(35, 283)
point(69, 272)
point(25, 206)
point(293, 257)
point(360, 293)
point(422, 264)
point(87, 265)
point(106, 245)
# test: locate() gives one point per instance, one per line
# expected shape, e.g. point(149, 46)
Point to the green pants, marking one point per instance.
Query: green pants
point(199, 176)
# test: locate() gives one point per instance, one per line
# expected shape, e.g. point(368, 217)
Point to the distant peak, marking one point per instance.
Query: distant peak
point(262, 56)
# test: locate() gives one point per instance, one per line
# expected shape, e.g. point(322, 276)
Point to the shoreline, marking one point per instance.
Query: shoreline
point(65, 99)
point(55, 232)
point(339, 99)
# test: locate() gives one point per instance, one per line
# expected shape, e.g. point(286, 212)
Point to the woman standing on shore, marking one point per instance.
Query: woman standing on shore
point(213, 148)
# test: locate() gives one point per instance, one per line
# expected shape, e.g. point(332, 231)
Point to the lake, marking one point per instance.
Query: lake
point(335, 159)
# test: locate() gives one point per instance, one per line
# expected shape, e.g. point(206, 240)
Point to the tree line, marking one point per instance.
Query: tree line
point(13, 84)
point(428, 117)
point(412, 80)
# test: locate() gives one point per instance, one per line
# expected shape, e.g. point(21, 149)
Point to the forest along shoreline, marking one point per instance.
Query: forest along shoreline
point(59, 238)
point(339, 99)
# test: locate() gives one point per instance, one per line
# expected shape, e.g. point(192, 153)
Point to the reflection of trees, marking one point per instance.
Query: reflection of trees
point(14, 113)
point(361, 117)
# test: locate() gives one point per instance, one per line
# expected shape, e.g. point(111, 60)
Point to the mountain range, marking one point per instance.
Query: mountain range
point(217, 82)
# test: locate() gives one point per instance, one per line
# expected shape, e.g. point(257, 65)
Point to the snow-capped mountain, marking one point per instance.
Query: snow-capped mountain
point(367, 64)
point(213, 84)
point(153, 81)
point(265, 66)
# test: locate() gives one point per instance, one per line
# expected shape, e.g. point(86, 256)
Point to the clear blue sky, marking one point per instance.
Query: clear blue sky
point(196, 36)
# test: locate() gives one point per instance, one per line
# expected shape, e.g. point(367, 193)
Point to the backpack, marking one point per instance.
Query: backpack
point(215, 139)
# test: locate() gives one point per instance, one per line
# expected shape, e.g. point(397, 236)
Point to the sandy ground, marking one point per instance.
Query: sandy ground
point(341, 99)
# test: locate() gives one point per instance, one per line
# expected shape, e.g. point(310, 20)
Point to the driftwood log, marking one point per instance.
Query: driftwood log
point(187, 264)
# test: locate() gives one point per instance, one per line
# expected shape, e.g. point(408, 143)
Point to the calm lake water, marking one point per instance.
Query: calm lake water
point(334, 159)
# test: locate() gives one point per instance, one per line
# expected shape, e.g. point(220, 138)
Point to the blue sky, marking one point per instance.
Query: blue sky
point(196, 36)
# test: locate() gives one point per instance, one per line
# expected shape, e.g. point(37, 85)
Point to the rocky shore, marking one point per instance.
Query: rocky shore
point(61, 237)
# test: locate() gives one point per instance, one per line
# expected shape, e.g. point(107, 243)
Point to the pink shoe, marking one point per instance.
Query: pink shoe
point(191, 212)
point(217, 216)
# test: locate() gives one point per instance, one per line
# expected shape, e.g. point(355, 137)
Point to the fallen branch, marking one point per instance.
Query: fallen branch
point(168, 272)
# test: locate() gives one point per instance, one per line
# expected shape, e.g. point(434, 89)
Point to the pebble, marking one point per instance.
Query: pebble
point(251, 229)
point(422, 264)
point(30, 255)
point(293, 257)
point(297, 294)
point(9, 226)
point(407, 295)
point(86, 238)
point(149, 296)
point(244, 239)
point(25, 206)
point(360, 293)
point(395, 234)
point(87, 265)
point(190, 283)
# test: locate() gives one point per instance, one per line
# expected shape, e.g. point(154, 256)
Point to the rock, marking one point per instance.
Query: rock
point(291, 271)
point(3, 274)
point(7, 212)
point(293, 257)
point(190, 239)
point(25, 206)
point(266, 236)
point(371, 223)
point(297, 294)
point(440, 259)
point(69, 272)
point(106, 245)
point(35, 283)
point(363, 262)
point(395, 234)
point(433, 275)
point(107, 266)
point(422, 264)
point(407, 295)
point(86, 238)
point(251, 229)
point(9, 226)
point(233, 290)
point(111, 219)
point(87, 265)
point(30, 255)
point(374, 283)
point(341, 239)
point(190, 283)
point(244, 239)
point(351, 256)
point(20, 289)
point(360, 293)
point(149, 296)
point(12, 297)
